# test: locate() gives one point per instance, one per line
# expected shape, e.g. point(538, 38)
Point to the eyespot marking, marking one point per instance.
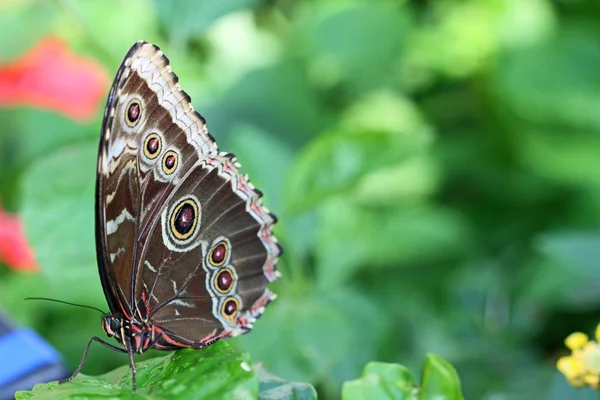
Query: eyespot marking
point(133, 111)
point(224, 280)
point(170, 162)
point(152, 146)
point(230, 308)
point(218, 253)
point(184, 219)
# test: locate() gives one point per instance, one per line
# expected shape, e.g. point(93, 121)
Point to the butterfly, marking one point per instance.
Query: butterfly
point(184, 245)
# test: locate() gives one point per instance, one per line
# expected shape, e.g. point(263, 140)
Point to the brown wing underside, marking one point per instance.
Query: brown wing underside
point(155, 155)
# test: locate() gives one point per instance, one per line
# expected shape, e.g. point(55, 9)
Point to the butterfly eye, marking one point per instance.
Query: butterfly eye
point(224, 280)
point(111, 325)
point(230, 308)
point(170, 161)
point(152, 146)
point(133, 112)
point(184, 219)
point(218, 254)
point(115, 325)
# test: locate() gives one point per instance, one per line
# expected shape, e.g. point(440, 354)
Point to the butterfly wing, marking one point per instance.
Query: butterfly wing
point(164, 196)
point(210, 256)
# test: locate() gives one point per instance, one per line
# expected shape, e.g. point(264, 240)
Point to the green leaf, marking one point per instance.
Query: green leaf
point(95, 28)
point(493, 26)
point(43, 132)
point(562, 94)
point(344, 42)
point(352, 237)
point(275, 388)
point(13, 17)
point(300, 112)
point(39, 133)
point(439, 380)
point(368, 320)
point(377, 132)
point(58, 211)
point(381, 381)
point(334, 162)
point(186, 19)
point(410, 181)
point(265, 159)
point(216, 372)
point(313, 333)
point(569, 159)
point(573, 271)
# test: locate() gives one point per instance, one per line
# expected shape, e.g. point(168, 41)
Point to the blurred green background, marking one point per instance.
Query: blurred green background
point(435, 167)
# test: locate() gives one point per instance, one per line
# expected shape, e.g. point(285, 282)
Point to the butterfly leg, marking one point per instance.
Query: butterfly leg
point(132, 365)
point(97, 339)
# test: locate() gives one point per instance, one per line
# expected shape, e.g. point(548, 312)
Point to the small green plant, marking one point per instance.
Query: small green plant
point(383, 381)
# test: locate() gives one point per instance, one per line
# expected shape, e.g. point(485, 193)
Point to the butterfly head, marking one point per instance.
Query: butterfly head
point(113, 326)
point(130, 333)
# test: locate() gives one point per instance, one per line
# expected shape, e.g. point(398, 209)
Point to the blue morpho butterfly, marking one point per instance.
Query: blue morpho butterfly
point(184, 246)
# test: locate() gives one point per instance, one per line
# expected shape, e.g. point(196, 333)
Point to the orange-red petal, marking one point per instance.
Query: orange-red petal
point(15, 251)
point(51, 77)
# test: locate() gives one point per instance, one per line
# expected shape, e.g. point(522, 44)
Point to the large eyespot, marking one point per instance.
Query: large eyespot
point(224, 280)
point(218, 253)
point(170, 161)
point(184, 219)
point(152, 146)
point(230, 308)
point(181, 226)
point(133, 111)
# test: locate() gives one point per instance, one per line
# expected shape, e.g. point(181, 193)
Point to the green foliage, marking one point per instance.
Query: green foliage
point(216, 372)
point(37, 19)
point(440, 380)
point(433, 164)
point(274, 388)
point(187, 18)
point(381, 381)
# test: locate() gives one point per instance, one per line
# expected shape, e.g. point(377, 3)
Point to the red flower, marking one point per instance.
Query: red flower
point(50, 76)
point(14, 249)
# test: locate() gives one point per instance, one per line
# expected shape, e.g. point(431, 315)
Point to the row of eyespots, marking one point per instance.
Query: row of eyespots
point(217, 256)
point(152, 143)
point(224, 279)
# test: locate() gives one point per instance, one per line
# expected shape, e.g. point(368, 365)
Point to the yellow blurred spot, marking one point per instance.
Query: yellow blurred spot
point(568, 366)
point(576, 340)
point(582, 367)
point(592, 380)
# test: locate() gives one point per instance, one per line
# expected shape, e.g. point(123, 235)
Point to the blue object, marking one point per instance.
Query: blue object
point(22, 352)
point(25, 359)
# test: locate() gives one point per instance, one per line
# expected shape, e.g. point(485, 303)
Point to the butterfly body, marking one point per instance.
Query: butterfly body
point(140, 336)
point(184, 245)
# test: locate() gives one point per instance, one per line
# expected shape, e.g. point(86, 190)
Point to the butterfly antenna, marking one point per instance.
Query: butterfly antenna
point(65, 302)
